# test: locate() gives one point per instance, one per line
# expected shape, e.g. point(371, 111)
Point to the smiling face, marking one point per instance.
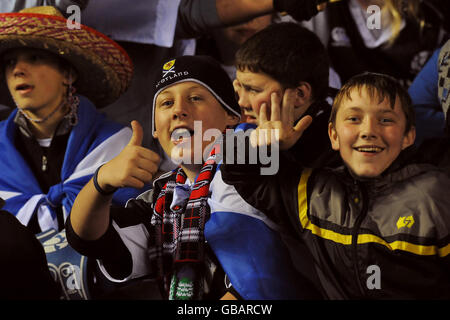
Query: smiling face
point(254, 89)
point(35, 80)
point(177, 109)
point(369, 134)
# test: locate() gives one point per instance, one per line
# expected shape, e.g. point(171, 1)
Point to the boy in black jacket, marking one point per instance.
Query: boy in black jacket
point(377, 227)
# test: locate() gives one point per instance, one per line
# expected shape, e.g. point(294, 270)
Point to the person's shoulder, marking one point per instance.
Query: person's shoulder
point(4, 121)
point(425, 179)
point(108, 124)
point(88, 110)
point(436, 175)
point(318, 178)
point(428, 188)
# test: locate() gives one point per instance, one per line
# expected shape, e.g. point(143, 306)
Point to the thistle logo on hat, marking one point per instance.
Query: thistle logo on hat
point(169, 67)
point(168, 72)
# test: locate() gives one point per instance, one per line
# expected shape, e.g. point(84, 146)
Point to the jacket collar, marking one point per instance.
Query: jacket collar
point(63, 127)
point(402, 168)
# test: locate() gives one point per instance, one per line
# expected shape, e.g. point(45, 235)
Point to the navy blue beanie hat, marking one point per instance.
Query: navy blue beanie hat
point(203, 70)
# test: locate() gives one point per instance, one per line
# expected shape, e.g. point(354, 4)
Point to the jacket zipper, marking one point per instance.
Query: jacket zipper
point(44, 163)
point(355, 233)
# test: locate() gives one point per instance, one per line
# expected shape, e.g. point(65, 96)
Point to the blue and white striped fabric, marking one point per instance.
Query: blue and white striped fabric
point(92, 142)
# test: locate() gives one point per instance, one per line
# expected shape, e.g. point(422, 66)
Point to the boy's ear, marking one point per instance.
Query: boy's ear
point(303, 94)
point(232, 120)
point(334, 138)
point(70, 76)
point(155, 135)
point(409, 138)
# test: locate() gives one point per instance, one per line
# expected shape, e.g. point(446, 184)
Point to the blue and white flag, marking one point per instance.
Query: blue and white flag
point(92, 142)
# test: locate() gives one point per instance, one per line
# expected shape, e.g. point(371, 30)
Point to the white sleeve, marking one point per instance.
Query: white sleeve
point(135, 238)
point(140, 21)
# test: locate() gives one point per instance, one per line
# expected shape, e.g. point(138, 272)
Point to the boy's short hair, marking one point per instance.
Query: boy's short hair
point(288, 53)
point(377, 85)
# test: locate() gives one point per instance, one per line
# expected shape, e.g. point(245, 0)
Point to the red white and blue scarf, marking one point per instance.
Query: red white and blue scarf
point(179, 243)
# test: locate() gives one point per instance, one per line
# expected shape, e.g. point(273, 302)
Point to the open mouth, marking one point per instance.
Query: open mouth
point(24, 88)
point(181, 134)
point(369, 149)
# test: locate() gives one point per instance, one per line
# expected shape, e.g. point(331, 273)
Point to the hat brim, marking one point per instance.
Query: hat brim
point(104, 69)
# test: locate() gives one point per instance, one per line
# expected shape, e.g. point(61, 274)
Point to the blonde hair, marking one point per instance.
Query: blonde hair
point(399, 9)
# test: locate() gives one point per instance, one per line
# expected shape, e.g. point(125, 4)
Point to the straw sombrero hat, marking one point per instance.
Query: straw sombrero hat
point(104, 68)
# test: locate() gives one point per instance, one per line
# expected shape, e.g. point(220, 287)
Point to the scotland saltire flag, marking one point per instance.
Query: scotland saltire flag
point(92, 142)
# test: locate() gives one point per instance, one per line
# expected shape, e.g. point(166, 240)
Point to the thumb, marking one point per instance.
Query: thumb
point(138, 134)
point(303, 124)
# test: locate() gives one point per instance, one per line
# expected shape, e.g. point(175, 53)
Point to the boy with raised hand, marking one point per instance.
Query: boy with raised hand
point(288, 56)
point(162, 233)
point(373, 225)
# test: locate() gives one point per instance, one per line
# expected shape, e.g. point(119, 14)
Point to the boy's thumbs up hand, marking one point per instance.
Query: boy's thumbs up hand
point(138, 134)
point(133, 167)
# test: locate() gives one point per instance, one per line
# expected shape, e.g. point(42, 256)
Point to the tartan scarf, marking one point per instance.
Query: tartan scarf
point(179, 242)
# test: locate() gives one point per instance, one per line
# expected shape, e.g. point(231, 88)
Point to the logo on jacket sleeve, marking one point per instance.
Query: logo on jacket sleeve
point(405, 222)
